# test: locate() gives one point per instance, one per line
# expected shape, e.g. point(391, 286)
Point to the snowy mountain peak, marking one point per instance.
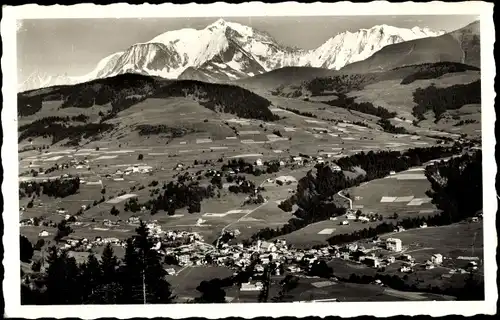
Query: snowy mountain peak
point(229, 50)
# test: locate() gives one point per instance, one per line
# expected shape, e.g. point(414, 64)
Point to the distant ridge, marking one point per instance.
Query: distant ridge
point(462, 45)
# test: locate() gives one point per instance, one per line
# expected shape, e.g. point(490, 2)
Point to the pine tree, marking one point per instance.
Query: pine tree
point(109, 265)
point(62, 278)
point(143, 276)
point(90, 279)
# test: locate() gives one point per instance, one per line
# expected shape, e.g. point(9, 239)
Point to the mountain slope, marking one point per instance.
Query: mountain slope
point(460, 46)
point(227, 51)
point(123, 91)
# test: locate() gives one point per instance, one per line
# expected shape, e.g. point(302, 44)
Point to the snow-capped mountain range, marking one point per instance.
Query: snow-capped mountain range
point(228, 51)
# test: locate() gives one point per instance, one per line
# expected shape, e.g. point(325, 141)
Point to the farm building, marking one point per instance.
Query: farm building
point(258, 162)
point(350, 216)
point(372, 261)
point(335, 168)
point(170, 271)
point(405, 269)
point(286, 179)
point(352, 247)
point(43, 233)
point(437, 258)
point(268, 246)
point(406, 257)
point(393, 244)
point(251, 286)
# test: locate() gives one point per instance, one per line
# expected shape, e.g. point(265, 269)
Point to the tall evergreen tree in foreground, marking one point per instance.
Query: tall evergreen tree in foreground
point(143, 276)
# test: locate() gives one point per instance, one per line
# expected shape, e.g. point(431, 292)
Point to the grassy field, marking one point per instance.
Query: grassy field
point(461, 239)
point(403, 186)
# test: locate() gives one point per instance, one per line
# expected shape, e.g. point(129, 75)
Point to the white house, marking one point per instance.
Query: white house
point(184, 259)
point(258, 162)
point(424, 225)
point(251, 286)
point(392, 173)
point(268, 246)
point(437, 258)
point(43, 233)
point(405, 269)
point(298, 160)
point(372, 261)
point(335, 168)
point(350, 216)
point(352, 247)
point(393, 244)
point(170, 271)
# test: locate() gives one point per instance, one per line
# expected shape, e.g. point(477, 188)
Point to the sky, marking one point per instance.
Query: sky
point(74, 46)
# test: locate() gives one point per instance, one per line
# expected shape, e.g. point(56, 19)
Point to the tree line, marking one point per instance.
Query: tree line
point(58, 188)
point(221, 98)
point(436, 70)
point(54, 119)
point(349, 103)
point(59, 132)
point(439, 100)
point(387, 126)
point(180, 195)
point(147, 130)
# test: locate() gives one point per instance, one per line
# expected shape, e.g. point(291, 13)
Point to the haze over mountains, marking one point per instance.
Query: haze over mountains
point(228, 51)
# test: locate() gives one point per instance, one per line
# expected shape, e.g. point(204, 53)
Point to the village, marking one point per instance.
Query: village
point(182, 249)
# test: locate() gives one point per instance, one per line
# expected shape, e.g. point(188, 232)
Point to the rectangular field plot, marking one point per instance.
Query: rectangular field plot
point(315, 121)
point(203, 141)
point(327, 231)
point(218, 148)
point(322, 284)
point(248, 155)
point(121, 198)
point(53, 158)
point(106, 157)
point(404, 199)
point(419, 201)
point(413, 176)
point(388, 199)
point(250, 132)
